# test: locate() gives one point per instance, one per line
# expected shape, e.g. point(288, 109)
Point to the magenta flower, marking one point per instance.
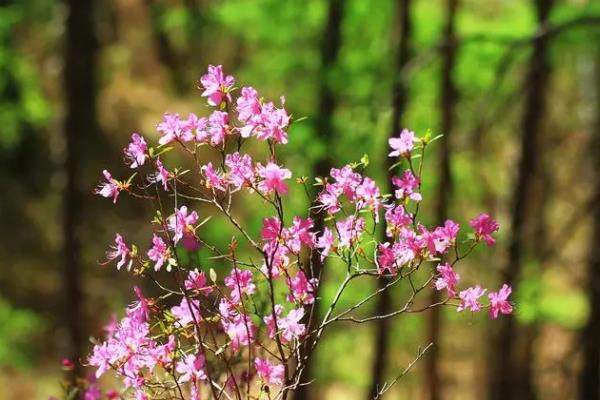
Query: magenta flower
point(121, 250)
point(216, 85)
point(240, 282)
point(329, 198)
point(300, 233)
point(182, 313)
point(218, 127)
point(136, 151)
point(248, 107)
point(240, 330)
point(484, 226)
point(386, 259)
point(445, 236)
point(447, 279)
point(271, 374)
point(182, 224)
point(272, 123)
point(290, 326)
point(194, 128)
point(192, 368)
point(196, 280)
point(396, 218)
point(470, 299)
point(349, 230)
point(169, 128)
point(325, 243)
point(403, 145)
point(499, 303)
point(162, 175)
point(302, 289)
point(273, 178)
point(214, 180)
point(159, 253)
point(241, 170)
point(111, 188)
point(271, 229)
point(407, 185)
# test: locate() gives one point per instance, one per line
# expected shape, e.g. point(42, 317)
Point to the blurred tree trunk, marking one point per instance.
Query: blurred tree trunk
point(399, 100)
point(330, 46)
point(510, 369)
point(589, 379)
point(80, 124)
point(444, 189)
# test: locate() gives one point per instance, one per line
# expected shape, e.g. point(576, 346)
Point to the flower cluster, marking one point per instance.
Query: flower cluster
point(244, 330)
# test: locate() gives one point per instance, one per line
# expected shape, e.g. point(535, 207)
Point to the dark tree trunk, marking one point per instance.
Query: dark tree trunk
point(447, 100)
point(399, 100)
point(330, 46)
point(510, 378)
point(589, 379)
point(80, 123)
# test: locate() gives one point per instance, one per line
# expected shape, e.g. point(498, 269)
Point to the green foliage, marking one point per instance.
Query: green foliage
point(19, 330)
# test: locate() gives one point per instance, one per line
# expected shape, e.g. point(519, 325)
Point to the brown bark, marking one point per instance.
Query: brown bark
point(330, 46)
point(444, 189)
point(80, 123)
point(589, 378)
point(399, 100)
point(510, 377)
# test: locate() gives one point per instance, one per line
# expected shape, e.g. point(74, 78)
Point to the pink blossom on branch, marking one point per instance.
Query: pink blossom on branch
point(499, 301)
point(273, 178)
point(470, 299)
point(484, 226)
point(136, 151)
point(216, 85)
point(271, 374)
point(403, 145)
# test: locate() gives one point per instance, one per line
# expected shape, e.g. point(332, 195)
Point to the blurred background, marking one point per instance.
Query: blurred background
point(514, 85)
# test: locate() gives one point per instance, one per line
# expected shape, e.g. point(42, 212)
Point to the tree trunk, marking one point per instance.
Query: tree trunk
point(447, 100)
point(589, 378)
point(509, 377)
point(399, 99)
point(80, 123)
point(330, 46)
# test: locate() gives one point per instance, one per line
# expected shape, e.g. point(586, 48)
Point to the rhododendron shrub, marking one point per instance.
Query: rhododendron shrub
point(242, 332)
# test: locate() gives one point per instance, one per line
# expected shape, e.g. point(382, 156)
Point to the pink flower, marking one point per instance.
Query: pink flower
point(403, 145)
point(447, 279)
point(194, 128)
point(192, 368)
point(445, 236)
point(218, 127)
point(269, 373)
point(248, 106)
point(273, 178)
point(396, 218)
point(136, 151)
point(300, 234)
point(302, 289)
point(213, 179)
point(240, 330)
point(216, 85)
point(484, 226)
point(182, 312)
point(241, 170)
point(169, 128)
point(271, 124)
point(386, 259)
point(120, 249)
point(499, 303)
point(407, 185)
point(346, 180)
point(162, 175)
point(290, 326)
point(159, 253)
point(271, 229)
point(368, 195)
point(350, 230)
point(240, 282)
point(470, 299)
point(110, 188)
point(325, 243)
point(197, 281)
point(329, 198)
point(182, 224)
